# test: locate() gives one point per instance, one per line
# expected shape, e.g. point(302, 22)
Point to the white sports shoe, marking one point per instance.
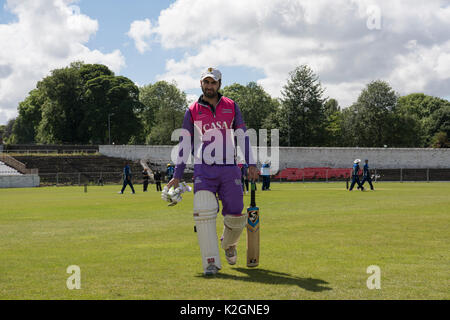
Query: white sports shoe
point(231, 255)
point(211, 270)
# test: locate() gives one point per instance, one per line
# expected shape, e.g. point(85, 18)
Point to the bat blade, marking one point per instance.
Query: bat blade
point(253, 226)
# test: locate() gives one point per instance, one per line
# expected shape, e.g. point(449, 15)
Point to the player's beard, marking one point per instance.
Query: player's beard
point(209, 93)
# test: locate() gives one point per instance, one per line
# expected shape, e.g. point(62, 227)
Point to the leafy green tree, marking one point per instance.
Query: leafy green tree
point(372, 117)
point(73, 105)
point(430, 112)
point(91, 71)
point(440, 120)
point(61, 111)
point(334, 119)
point(255, 103)
point(7, 131)
point(30, 115)
point(351, 126)
point(331, 107)
point(403, 131)
point(111, 108)
point(164, 106)
point(440, 140)
point(302, 121)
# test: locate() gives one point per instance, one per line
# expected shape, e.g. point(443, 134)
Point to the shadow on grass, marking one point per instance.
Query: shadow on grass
point(273, 277)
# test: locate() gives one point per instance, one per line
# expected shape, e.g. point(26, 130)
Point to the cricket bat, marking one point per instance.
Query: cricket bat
point(253, 231)
point(150, 171)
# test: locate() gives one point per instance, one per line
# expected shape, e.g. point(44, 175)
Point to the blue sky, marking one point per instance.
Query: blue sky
point(347, 43)
point(115, 17)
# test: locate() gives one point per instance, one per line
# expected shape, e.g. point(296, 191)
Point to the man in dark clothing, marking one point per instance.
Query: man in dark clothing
point(145, 177)
point(355, 176)
point(265, 172)
point(170, 171)
point(127, 178)
point(157, 177)
point(366, 175)
point(244, 177)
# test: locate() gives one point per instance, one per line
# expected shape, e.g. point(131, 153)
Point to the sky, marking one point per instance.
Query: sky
point(347, 43)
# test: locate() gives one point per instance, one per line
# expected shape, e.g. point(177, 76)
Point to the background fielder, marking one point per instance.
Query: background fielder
point(366, 174)
point(355, 176)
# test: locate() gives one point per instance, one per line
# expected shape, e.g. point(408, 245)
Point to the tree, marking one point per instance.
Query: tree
point(164, 106)
point(440, 120)
point(334, 121)
point(255, 103)
point(331, 107)
point(30, 115)
point(430, 112)
point(372, 116)
point(351, 126)
point(111, 104)
point(403, 131)
point(440, 140)
point(72, 105)
point(302, 117)
point(7, 131)
point(61, 111)
point(91, 71)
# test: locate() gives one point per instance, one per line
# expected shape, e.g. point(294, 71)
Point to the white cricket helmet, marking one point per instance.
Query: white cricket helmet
point(357, 161)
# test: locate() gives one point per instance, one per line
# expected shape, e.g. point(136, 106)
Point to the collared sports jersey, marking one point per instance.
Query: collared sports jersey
point(169, 171)
point(366, 170)
point(212, 130)
point(355, 170)
point(127, 171)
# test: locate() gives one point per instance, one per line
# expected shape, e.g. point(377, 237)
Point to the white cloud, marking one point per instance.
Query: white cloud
point(191, 98)
point(409, 49)
point(47, 34)
point(140, 32)
point(6, 115)
point(423, 68)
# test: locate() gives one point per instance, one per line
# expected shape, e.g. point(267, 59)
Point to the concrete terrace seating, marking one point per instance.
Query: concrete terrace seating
point(75, 164)
point(8, 171)
point(80, 168)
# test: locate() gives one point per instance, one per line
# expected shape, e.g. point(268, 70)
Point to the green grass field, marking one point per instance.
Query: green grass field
point(317, 240)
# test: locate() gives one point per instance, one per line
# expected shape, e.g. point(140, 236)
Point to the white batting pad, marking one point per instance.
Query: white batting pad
point(205, 214)
point(232, 229)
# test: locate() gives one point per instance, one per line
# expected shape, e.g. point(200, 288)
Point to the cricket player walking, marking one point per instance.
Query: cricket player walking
point(215, 180)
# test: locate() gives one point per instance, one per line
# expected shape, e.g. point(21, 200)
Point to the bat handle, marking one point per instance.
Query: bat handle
point(252, 195)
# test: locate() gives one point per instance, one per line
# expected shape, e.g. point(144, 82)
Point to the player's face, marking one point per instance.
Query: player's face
point(210, 87)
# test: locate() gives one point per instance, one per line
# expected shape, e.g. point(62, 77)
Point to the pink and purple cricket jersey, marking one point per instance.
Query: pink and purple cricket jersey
point(221, 176)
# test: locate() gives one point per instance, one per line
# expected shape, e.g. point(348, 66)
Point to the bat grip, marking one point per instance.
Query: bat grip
point(252, 195)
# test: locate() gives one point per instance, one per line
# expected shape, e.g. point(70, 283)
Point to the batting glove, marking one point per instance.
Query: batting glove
point(165, 194)
point(175, 196)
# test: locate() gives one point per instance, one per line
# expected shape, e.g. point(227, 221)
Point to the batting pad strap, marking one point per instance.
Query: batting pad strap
point(205, 214)
point(232, 229)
